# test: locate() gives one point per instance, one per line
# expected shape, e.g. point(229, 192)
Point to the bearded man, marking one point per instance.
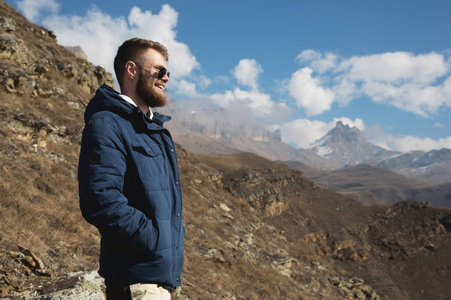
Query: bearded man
point(129, 184)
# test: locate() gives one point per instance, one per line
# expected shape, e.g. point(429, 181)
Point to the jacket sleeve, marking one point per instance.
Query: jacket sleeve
point(101, 171)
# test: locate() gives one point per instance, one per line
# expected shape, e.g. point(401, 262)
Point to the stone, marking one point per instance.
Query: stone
point(224, 207)
point(74, 286)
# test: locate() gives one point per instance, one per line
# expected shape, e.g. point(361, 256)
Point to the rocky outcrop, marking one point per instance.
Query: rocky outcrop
point(27, 67)
point(354, 288)
point(77, 51)
point(262, 190)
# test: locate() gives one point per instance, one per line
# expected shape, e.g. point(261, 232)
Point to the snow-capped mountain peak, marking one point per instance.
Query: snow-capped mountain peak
point(346, 146)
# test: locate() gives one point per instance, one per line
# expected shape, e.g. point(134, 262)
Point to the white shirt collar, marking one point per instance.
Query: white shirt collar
point(130, 100)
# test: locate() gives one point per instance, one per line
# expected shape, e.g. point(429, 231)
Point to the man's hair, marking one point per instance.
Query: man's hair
point(132, 50)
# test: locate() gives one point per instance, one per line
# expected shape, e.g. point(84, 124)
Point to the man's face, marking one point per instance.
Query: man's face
point(149, 87)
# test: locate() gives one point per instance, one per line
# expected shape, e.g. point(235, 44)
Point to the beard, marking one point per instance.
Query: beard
point(148, 94)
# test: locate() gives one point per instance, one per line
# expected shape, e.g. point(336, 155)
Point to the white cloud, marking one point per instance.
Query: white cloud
point(345, 91)
point(420, 84)
point(189, 89)
point(308, 56)
point(403, 143)
point(260, 103)
point(378, 136)
point(186, 88)
point(32, 9)
point(408, 143)
point(308, 92)
point(100, 35)
point(302, 132)
point(419, 99)
point(247, 72)
point(403, 80)
point(317, 61)
point(204, 82)
point(395, 67)
point(256, 104)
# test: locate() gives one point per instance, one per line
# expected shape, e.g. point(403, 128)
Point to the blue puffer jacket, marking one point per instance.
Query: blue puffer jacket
point(130, 190)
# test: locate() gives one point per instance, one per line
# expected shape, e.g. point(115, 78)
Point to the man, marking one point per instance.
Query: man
point(129, 179)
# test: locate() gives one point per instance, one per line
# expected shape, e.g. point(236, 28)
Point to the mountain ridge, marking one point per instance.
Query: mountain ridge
point(341, 147)
point(347, 146)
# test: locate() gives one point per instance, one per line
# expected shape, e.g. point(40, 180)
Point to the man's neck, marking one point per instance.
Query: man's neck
point(144, 108)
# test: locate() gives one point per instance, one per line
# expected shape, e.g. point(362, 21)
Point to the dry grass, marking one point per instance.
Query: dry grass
point(39, 208)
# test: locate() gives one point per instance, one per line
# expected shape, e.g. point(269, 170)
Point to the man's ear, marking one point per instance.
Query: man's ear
point(130, 69)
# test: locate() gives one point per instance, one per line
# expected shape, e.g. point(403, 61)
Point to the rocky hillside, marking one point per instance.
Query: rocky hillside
point(255, 229)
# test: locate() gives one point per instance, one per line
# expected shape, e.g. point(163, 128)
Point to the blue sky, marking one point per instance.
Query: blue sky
point(298, 66)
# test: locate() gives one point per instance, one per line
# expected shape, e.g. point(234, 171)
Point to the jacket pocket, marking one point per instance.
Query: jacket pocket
point(150, 162)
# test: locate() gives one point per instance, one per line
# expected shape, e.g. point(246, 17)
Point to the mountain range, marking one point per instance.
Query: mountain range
point(341, 147)
point(383, 176)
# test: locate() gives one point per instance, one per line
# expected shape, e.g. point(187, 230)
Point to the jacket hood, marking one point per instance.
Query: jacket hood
point(108, 99)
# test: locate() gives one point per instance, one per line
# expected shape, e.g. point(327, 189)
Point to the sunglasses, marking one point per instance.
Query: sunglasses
point(161, 72)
